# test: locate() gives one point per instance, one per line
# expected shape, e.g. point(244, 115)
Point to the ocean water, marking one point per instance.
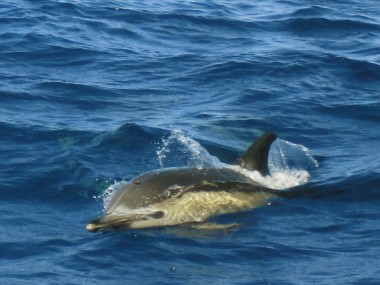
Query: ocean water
point(93, 93)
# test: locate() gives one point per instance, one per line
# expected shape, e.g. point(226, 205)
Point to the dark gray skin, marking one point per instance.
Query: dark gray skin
point(157, 186)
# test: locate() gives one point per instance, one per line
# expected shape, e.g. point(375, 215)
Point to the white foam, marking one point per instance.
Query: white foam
point(289, 164)
point(279, 180)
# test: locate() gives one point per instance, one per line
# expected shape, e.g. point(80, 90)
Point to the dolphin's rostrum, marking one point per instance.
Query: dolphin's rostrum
point(176, 196)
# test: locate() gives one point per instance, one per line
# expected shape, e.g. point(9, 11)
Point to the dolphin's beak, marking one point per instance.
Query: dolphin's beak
point(109, 222)
point(92, 227)
point(112, 222)
point(96, 225)
point(105, 223)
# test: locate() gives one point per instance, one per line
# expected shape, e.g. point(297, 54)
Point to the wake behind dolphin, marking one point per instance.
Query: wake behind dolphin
point(187, 195)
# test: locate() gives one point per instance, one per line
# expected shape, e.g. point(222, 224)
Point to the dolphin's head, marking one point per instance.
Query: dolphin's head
point(115, 222)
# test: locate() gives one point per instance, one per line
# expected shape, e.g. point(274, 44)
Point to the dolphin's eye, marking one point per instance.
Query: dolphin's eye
point(157, 215)
point(137, 182)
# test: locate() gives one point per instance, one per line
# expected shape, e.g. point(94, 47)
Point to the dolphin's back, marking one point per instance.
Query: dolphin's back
point(156, 186)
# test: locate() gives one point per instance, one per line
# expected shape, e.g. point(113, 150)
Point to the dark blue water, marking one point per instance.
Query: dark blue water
point(90, 91)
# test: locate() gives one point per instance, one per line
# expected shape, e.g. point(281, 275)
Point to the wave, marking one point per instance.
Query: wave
point(361, 187)
point(41, 159)
point(293, 65)
point(363, 112)
point(347, 26)
point(89, 96)
point(355, 69)
point(27, 134)
point(62, 165)
point(312, 11)
point(132, 136)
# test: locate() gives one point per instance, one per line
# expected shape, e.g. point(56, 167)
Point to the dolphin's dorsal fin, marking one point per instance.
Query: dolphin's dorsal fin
point(256, 156)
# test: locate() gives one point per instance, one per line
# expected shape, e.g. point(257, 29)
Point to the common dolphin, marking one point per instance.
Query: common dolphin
point(176, 196)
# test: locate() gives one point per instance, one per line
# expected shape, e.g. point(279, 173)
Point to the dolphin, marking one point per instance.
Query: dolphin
point(186, 195)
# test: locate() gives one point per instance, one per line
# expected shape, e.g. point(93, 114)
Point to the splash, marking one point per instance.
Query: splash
point(289, 164)
point(110, 192)
point(181, 150)
point(287, 156)
point(280, 180)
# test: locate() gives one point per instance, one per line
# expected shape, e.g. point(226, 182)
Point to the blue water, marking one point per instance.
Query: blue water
point(90, 91)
